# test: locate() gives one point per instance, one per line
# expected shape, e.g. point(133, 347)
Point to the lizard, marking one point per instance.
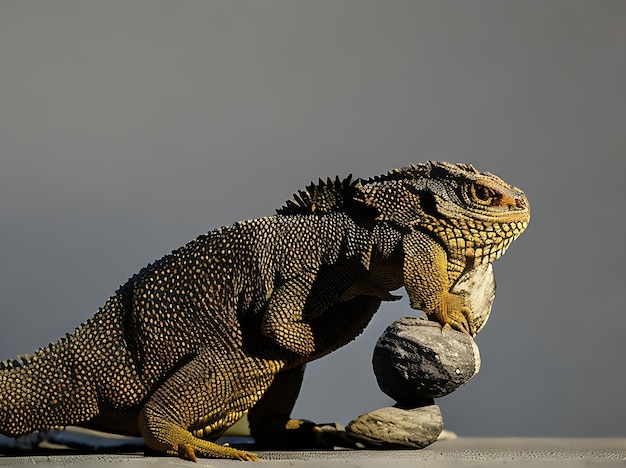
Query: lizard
point(224, 326)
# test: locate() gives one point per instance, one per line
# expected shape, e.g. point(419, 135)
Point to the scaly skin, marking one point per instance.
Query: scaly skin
point(224, 325)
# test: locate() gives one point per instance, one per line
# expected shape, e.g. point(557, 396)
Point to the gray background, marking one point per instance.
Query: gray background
point(127, 128)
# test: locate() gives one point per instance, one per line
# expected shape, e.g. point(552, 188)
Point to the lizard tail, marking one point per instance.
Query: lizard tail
point(40, 391)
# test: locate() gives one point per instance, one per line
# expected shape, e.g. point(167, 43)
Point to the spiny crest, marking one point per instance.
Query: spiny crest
point(10, 364)
point(18, 363)
point(414, 171)
point(323, 197)
point(425, 170)
point(26, 359)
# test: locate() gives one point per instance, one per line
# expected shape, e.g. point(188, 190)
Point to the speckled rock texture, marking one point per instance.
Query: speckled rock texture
point(416, 359)
point(478, 287)
point(397, 427)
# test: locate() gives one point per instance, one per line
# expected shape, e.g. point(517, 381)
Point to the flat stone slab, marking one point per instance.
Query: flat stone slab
point(391, 426)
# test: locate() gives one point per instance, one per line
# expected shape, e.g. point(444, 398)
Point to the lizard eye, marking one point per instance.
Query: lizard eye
point(483, 194)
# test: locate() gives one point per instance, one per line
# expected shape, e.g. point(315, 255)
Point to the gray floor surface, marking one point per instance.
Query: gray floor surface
point(462, 452)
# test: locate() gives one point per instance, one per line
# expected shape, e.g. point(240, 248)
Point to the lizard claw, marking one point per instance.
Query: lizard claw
point(453, 314)
point(469, 320)
point(186, 452)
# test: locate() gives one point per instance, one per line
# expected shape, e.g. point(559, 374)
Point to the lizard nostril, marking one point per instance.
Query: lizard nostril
point(520, 203)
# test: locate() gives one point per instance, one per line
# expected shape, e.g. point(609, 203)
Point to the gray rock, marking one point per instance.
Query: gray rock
point(415, 360)
point(397, 427)
point(478, 286)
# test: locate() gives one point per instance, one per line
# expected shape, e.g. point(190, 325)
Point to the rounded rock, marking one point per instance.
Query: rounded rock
point(398, 427)
point(415, 360)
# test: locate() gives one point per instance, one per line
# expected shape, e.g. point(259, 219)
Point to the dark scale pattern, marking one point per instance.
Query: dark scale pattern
point(224, 325)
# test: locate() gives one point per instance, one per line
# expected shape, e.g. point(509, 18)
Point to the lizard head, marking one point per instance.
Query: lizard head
point(474, 214)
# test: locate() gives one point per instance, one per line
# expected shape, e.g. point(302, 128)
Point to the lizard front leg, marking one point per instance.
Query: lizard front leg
point(426, 280)
point(284, 321)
